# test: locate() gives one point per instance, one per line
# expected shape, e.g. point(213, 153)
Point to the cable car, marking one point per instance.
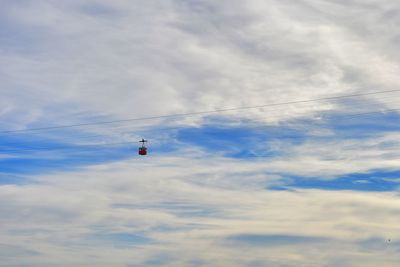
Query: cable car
point(143, 148)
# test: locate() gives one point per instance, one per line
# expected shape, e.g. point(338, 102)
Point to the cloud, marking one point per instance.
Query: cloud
point(183, 56)
point(85, 217)
point(68, 62)
point(273, 240)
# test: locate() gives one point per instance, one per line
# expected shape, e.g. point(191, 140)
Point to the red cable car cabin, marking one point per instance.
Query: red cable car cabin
point(143, 148)
point(142, 151)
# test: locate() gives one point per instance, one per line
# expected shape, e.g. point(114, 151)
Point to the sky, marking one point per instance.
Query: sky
point(311, 183)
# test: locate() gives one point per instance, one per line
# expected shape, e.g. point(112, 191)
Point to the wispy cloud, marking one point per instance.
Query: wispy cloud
point(161, 209)
point(307, 184)
point(179, 52)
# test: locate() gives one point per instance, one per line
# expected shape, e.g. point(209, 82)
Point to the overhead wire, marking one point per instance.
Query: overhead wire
point(90, 147)
point(250, 124)
point(71, 147)
point(319, 118)
point(294, 114)
point(149, 128)
point(195, 113)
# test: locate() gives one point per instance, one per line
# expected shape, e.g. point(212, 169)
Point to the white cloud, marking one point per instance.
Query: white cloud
point(69, 62)
point(190, 213)
point(179, 56)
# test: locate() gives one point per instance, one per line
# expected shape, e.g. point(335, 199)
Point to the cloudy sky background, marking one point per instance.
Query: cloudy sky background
point(307, 184)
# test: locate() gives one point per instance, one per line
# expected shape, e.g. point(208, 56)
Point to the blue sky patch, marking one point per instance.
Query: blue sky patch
point(240, 142)
point(362, 126)
point(36, 155)
point(380, 181)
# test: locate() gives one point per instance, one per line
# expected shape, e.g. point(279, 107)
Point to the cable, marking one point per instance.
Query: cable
point(147, 128)
point(94, 146)
point(195, 113)
point(71, 147)
point(127, 128)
